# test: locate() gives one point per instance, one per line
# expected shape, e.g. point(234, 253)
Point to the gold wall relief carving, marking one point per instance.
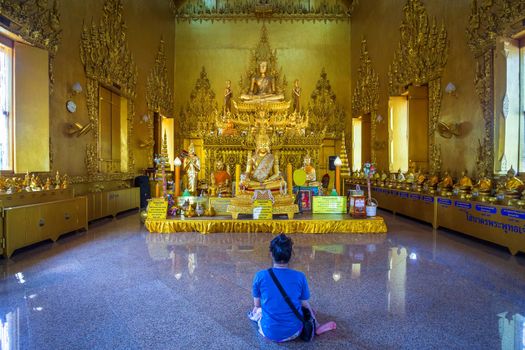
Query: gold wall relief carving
point(159, 95)
point(274, 10)
point(198, 118)
point(108, 61)
point(36, 23)
point(366, 93)
point(326, 115)
point(420, 59)
point(488, 21)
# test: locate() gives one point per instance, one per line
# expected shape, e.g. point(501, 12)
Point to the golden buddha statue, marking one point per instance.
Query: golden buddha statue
point(513, 185)
point(220, 180)
point(465, 182)
point(421, 178)
point(192, 166)
point(311, 178)
point(262, 167)
point(484, 184)
point(447, 181)
point(262, 87)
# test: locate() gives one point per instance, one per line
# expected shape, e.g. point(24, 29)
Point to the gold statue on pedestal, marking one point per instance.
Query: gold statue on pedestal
point(464, 185)
point(447, 183)
point(262, 167)
point(513, 185)
point(262, 87)
point(192, 166)
point(311, 178)
point(220, 181)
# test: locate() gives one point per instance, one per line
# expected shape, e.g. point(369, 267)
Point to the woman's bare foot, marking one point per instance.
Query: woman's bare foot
point(328, 326)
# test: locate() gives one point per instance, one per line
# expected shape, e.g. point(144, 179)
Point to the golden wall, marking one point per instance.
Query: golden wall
point(146, 22)
point(223, 48)
point(378, 22)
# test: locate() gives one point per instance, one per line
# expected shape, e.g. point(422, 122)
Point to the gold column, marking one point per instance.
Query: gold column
point(237, 178)
point(290, 178)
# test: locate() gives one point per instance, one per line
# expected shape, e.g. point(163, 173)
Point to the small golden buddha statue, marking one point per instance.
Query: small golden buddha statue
point(3, 184)
point(262, 88)
point(47, 185)
point(220, 180)
point(484, 184)
point(465, 182)
point(311, 178)
point(57, 181)
point(513, 185)
point(447, 183)
point(262, 167)
point(65, 182)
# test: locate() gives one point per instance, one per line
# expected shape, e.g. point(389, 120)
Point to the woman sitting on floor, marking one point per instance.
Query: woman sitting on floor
point(274, 316)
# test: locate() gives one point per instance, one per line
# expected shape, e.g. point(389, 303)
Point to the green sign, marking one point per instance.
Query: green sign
point(262, 209)
point(157, 209)
point(329, 205)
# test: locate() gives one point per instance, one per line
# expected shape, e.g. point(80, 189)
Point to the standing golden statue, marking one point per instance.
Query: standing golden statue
point(192, 166)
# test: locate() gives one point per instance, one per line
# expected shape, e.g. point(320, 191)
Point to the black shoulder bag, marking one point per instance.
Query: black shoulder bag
point(308, 332)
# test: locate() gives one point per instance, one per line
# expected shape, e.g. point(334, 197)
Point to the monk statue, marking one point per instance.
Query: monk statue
point(411, 176)
point(311, 179)
point(465, 182)
point(513, 185)
point(296, 97)
point(447, 181)
point(192, 166)
point(262, 167)
point(262, 88)
point(220, 180)
point(228, 94)
point(484, 184)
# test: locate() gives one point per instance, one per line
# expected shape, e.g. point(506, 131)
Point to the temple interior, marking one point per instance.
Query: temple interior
point(151, 150)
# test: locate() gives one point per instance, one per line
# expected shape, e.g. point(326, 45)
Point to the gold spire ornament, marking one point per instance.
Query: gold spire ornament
point(345, 168)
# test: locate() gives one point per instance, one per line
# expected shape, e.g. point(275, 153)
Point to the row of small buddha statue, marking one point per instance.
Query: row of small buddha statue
point(32, 183)
point(509, 189)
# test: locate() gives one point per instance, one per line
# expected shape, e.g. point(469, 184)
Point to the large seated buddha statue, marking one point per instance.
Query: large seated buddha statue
point(262, 88)
point(262, 167)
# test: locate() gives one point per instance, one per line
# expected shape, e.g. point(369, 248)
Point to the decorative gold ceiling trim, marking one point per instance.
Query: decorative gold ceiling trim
point(37, 23)
point(276, 10)
point(107, 61)
point(487, 22)
point(366, 93)
point(199, 116)
point(420, 59)
point(326, 115)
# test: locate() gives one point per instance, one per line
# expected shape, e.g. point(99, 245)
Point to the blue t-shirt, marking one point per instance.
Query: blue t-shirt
point(278, 321)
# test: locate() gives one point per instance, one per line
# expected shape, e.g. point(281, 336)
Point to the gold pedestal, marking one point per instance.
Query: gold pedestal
point(283, 204)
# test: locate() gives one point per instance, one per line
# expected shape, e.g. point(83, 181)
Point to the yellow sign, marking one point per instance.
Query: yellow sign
point(157, 209)
point(329, 204)
point(262, 209)
point(220, 205)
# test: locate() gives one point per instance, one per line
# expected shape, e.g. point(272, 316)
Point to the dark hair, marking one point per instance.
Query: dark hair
point(281, 248)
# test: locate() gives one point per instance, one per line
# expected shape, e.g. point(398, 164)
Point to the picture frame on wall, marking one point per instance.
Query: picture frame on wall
point(304, 199)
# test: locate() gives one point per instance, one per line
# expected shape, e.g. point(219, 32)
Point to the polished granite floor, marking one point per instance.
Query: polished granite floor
point(118, 287)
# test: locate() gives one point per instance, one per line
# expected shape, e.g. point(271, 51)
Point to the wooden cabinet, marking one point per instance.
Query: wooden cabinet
point(110, 203)
point(24, 223)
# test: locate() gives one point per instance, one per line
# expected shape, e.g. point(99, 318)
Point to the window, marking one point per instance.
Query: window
point(113, 131)
point(398, 133)
point(510, 106)
point(6, 93)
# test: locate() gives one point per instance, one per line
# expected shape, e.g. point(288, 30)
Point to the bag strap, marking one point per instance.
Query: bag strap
point(285, 296)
